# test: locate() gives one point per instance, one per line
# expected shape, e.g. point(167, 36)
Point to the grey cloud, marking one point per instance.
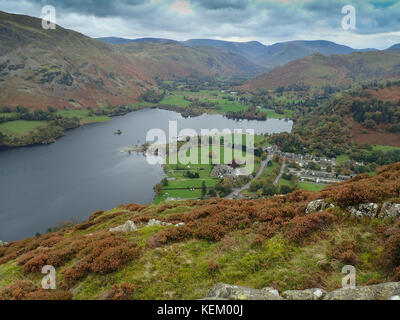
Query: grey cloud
point(101, 8)
point(263, 20)
point(222, 4)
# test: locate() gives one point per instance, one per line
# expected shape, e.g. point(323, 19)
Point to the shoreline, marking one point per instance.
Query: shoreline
point(62, 131)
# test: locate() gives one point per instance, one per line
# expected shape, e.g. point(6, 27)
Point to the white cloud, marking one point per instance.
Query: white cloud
point(182, 7)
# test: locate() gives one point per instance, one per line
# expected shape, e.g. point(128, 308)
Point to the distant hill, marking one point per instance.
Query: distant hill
point(174, 61)
point(115, 40)
point(338, 71)
point(265, 56)
point(277, 54)
point(395, 47)
point(40, 68)
point(253, 51)
point(62, 68)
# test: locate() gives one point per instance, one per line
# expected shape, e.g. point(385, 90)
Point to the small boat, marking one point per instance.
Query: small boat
point(119, 132)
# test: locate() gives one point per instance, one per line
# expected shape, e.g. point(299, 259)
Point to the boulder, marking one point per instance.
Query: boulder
point(383, 291)
point(309, 294)
point(318, 205)
point(180, 225)
point(228, 292)
point(154, 222)
point(129, 226)
point(389, 210)
point(364, 210)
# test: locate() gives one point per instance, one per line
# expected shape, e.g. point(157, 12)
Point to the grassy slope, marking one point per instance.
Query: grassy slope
point(186, 268)
point(83, 116)
point(335, 71)
point(19, 127)
point(63, 68)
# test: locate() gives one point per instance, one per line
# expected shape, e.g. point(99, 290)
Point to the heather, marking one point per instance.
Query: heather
point(254, 243)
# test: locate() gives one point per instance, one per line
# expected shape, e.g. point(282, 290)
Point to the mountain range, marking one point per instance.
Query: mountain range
point(63, 68)
point(266, 56)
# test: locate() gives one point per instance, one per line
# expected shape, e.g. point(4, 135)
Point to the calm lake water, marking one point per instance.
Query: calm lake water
point(85, 171)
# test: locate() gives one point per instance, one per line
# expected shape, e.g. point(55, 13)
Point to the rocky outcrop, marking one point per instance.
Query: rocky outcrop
point(309, 294)
point(228, 292)
point(364, 210)
point(385, 291)
point(129, 226)
point(154, 222)
point(318, 205)
point(389, 210)
point(3, 243)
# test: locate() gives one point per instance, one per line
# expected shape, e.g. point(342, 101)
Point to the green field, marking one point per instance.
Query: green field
point(221, 101)
point(342, 158)
point(384, 148)
point(268, 171)
point(83, 116)
point(175, 100)
point(222, 104)
point(310, 186)
point(8, 115)
point(19, 127)
point(181, 187)
point(273, 115)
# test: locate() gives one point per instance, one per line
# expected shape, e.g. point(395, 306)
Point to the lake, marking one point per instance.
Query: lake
point(85, 171)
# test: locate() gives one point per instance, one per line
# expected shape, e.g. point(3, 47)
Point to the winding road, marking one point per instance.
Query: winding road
point(280, 174)
point(236, 192)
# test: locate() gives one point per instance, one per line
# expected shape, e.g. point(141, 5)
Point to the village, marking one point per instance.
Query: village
point(308, 168)
point(299, 169)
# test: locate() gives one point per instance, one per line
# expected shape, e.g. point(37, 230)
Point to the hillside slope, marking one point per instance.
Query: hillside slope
point(62, 68)
point(266, 56)
point(179, 250)
point(40, 68)
point(277, 54)
point(173, 61)
point(336, 71)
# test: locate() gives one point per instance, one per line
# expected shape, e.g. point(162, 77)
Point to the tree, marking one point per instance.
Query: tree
point(286, 189)
point(165, 182)
point(2, 138)
point(269, 190)
point(152, 96)
point(212, 193)
point(203, 189)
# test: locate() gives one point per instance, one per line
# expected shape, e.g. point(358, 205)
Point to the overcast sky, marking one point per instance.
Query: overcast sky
point(267, 21)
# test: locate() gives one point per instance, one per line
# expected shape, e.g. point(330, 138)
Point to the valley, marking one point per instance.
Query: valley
point(314, 189)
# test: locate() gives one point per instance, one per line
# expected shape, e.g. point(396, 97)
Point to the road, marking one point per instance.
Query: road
point(280, 174)
point(236, 192)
